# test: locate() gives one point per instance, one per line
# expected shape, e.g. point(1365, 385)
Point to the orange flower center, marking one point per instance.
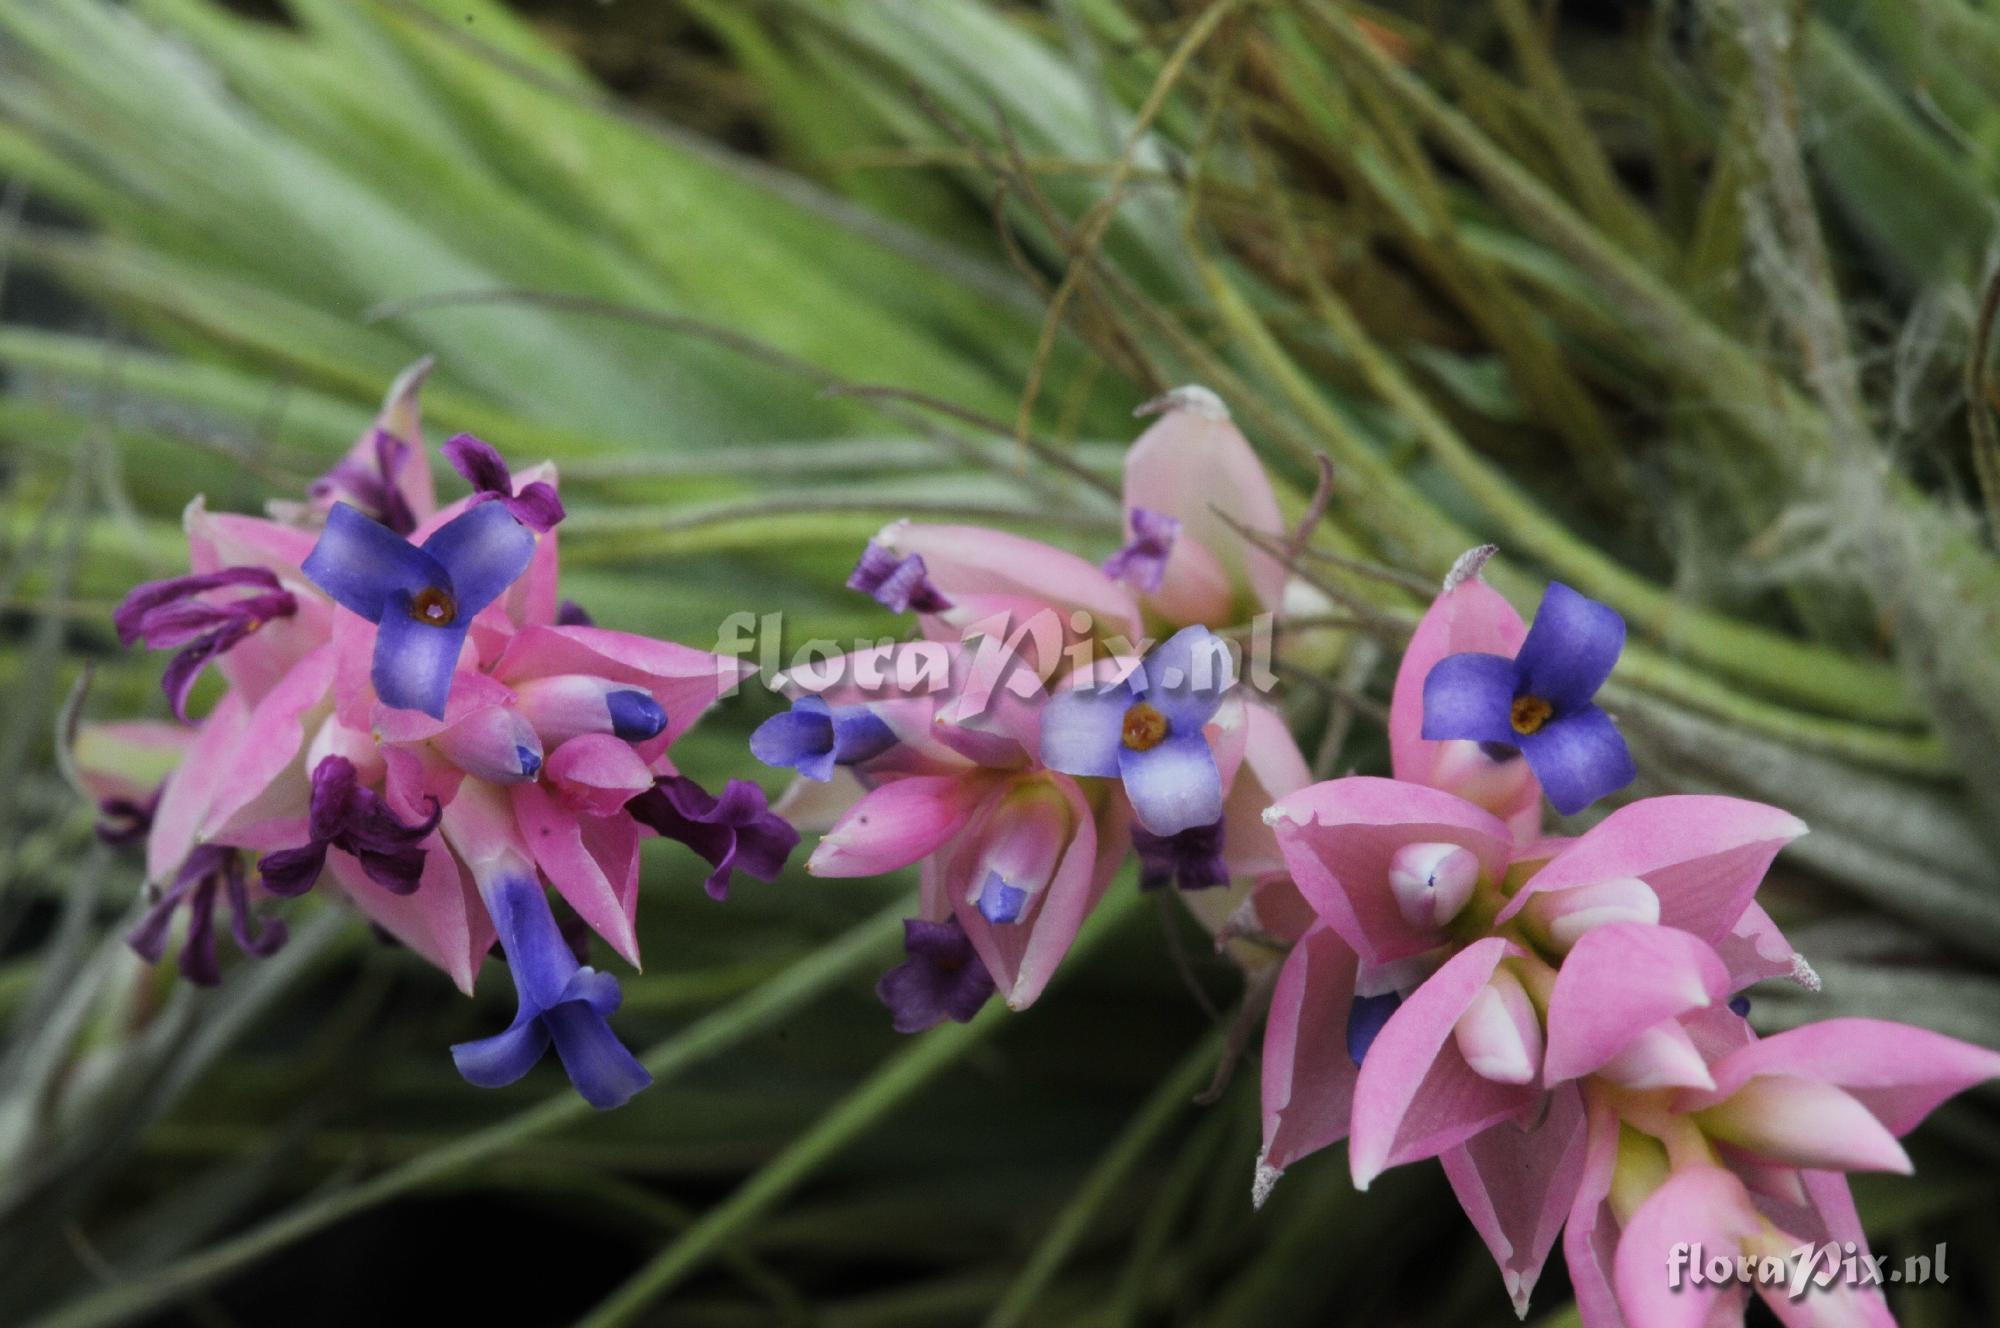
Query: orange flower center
point(433, 607)
point(1530, 713)
point(1145, 728)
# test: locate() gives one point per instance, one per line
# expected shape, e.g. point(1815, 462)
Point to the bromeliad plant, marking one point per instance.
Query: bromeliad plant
point(413, 720)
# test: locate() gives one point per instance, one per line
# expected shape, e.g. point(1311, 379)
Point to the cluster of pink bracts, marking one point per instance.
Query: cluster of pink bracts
point(1559, 1020)
point(548, 763)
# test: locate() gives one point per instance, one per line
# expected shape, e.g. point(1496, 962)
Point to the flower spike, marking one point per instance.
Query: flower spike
point(422, 598)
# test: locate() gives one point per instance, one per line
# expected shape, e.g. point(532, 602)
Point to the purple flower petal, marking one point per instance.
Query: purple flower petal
point(1570, 649)
point(210, 872)
point(1470, 697)
point(942, 979)
point(898, 584)
point(572, 614)
point(357, 821)
point(483, 550)
point(537, 507)
point(1579, 757)
point(999, 902)
point(480, 462)
point(1174, 786)
point(362, 565)
point(495, 1062)
point(131, 616)
point(735, 832)
point(414, 661)
point(1142, 563)
point(293, 871)
point(813, 737)
point(1083, 729)
point(604, 1072)
point(1365, 1018)
point(1190, 860)
point(1185, 677)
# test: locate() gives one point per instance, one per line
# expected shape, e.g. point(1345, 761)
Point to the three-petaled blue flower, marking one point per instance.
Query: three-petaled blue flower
point(561, 1001)
point(1147, 731)
point(814, 737)
point(422, 598)
point(1541, 701)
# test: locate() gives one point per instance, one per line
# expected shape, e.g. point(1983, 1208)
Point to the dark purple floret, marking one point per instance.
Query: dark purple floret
point(357, 821)
point(1189, 860)
point(942, 979)
point(210, 871)
point(537, 507)
point(373, 489)
point(1365, 1018)
point(569, 613)
point(1543, 701)
point(174, 613)
point(898, 584)
point(1142, 563)
point(735, 832)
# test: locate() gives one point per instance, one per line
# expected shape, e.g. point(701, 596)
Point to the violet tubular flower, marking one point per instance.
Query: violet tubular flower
point(1542, 700)
point(177, 613)
point(814, 737)
point(537, 507)
point(897, 583)
point(357, 821)
point(210, 874)
point(735, 832)
point(422, 598)
point(942, 978)
point(1148, 732)
point(560, 1001)
point(1142, 563)
point(1190, 860)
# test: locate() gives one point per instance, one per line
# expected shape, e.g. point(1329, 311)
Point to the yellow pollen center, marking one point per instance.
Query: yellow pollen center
point(1529, 714)
point(433, 607)
point(1145, 728)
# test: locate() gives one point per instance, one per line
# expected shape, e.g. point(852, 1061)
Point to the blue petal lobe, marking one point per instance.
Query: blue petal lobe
point(1000, 902)
point(1185, 677)
point(1082, 730)
point(859, 733)
point(484, 550)
point(1470, 697)
point(801, 739)
point(1173, 786)
point(363, 565)
point(604, 1072)
point(1579, 757)
point(499, 1060)
point(1570, 649)
point(414, 660)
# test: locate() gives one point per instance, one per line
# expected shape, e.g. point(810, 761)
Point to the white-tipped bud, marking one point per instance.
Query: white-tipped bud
point(1805, 1123)
point(1661, 1057)
point(1561, 917)
point(1432, 882)
point(1500, 1035)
